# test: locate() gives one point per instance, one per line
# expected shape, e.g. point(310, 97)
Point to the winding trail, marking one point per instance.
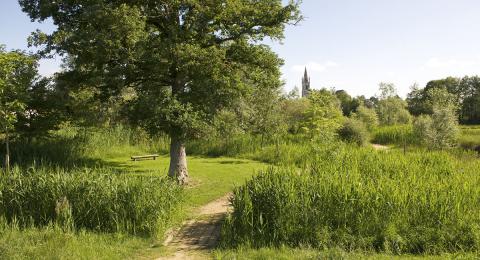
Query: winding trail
point(199, 235)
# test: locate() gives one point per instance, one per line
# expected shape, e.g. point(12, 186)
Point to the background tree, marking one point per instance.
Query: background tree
point(470, 106)
point(349, 104)
point(324, 115)
point(18, 72)
point(366, 115)
point(263, 115)
point(44, 110)
point(416, 100)
point(293, 94)
point(437, 98)
point(184, 59)
point(294, 113)
point(391, 109)
point(465, 93)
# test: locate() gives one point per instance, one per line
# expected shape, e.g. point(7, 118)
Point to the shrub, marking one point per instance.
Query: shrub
point(420, 203)
point(439, 131)
point(354, 131)
point(445, 127)
point(97, 200)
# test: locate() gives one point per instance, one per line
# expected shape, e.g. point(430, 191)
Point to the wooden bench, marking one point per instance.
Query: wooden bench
point(145, 157)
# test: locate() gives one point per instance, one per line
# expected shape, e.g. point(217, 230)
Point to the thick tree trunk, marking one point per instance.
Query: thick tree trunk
point(7, 152)
point(178, 161)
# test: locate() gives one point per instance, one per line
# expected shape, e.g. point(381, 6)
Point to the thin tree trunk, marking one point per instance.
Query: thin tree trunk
point(178, 161)
point(7, 152)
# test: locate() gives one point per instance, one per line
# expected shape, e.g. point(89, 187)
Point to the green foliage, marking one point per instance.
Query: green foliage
point(349, 105)
point(439, 131)
point(323, 116)
point(395, 134)
point(354, 131)
point(461, 93)
point(17, 73)
point(390, 108)
point(393, 111)
point(184, 63)
point(440, 98)
point(294, 112)
point(470, 105)
point(422, 129)
point(94, 199)
point(366, 115)
point(265, 115)
point(419, 203)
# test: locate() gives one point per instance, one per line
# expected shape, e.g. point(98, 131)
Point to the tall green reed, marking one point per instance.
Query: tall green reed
point(357, 199)
point(94, 199)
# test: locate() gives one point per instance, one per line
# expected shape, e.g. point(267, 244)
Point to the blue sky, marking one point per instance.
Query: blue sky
point(350, 44)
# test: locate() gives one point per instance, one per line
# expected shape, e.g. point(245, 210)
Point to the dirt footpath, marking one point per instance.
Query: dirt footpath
point(198, 236)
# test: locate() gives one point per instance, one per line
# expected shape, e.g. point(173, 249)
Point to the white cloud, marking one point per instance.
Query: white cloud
point(315, 66)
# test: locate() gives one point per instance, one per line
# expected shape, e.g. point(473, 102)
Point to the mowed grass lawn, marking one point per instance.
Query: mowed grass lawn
point(210, 178)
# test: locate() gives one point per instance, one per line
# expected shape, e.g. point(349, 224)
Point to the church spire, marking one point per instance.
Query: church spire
point(305, 84)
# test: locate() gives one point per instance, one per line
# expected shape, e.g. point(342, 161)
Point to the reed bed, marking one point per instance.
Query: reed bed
point(92, 199)
point(357, 199)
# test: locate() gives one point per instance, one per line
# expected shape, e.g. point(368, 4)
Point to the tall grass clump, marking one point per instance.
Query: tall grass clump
point(92, 199)
point(470, 137)
point(354, 199)
point(395, 134)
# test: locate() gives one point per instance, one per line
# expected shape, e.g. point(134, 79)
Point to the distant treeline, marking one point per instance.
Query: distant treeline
point(463, 93)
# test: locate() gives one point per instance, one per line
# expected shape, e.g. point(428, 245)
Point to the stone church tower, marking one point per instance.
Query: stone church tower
point(305, 84)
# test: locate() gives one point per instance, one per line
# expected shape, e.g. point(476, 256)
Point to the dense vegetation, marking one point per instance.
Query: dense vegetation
point(93, 199)
point(351, 198)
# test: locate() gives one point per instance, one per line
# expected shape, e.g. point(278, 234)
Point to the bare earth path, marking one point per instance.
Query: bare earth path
point(200, 234)
point(380, 147)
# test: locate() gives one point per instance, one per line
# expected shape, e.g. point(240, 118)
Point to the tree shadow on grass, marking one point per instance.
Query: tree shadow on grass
point(63, 153)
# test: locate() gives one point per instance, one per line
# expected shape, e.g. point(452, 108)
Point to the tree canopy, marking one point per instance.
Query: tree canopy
point(185, 60)
point(18, 72)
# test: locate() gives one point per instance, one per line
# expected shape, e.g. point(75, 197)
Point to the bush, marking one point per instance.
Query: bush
point(98, 200)
point(439, 131)
point(419, 203)
point(354, 131)
point(445, 127)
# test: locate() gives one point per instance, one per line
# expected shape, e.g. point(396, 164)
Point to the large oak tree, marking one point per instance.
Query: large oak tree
point(183, 59)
